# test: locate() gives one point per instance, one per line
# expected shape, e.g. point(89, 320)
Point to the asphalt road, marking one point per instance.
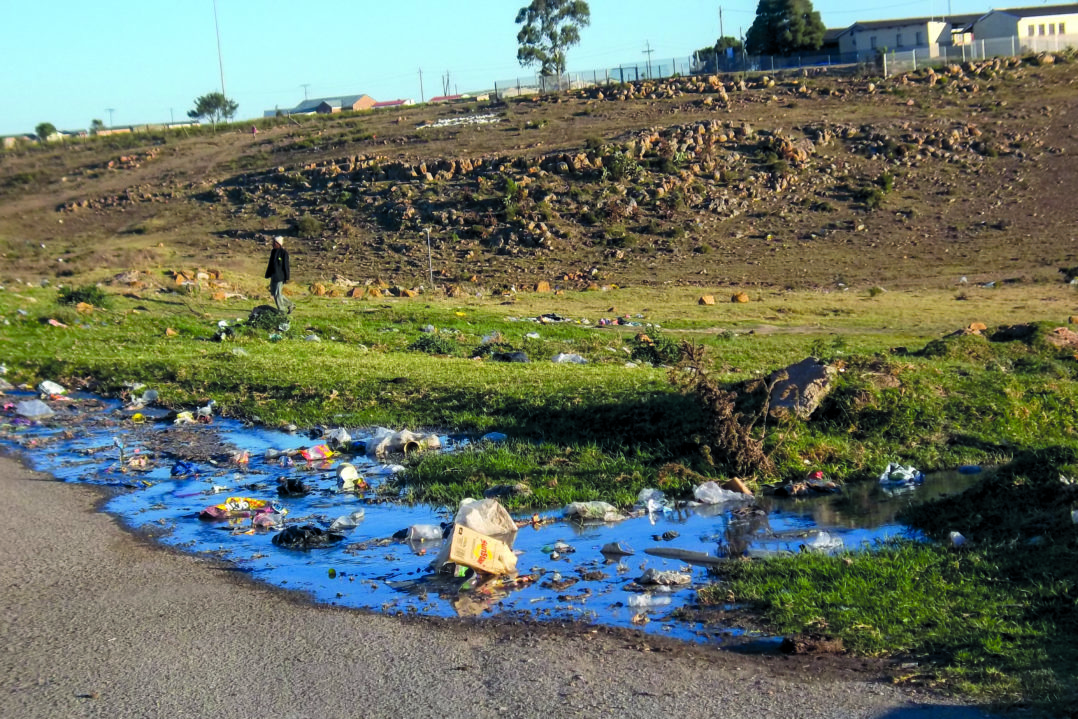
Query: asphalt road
point(98, 622)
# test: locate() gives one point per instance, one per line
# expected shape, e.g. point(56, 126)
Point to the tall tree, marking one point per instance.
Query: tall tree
point(783, 27)
point(44, 131)
point(214, 107)
point(550, 27)
point(96, 126)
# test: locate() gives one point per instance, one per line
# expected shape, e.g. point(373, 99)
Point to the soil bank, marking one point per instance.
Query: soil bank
point(98, 622)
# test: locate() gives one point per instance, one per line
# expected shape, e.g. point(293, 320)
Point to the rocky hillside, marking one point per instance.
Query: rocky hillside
point(806, 180)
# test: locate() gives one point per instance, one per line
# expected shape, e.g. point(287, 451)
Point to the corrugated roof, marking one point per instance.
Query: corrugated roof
point(340, 100)
point(1041, 10)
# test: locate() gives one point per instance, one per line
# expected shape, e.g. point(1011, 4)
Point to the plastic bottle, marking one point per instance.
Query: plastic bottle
point(424, 533)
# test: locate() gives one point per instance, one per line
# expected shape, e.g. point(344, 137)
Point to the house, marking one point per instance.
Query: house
point(393, 103)
point(1028, 23)
point(340, 103)
point(868, 38)
point(445, 98)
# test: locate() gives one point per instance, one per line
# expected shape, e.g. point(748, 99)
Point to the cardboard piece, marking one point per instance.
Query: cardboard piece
point(480, 552)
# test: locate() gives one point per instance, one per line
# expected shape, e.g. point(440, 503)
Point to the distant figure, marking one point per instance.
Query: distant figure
point(277, 272)
point(254, 130)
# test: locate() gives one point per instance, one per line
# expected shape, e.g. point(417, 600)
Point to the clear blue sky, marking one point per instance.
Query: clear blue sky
point(67, 61)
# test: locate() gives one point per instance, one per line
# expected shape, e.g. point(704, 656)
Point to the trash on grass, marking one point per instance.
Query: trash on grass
point(957, 540)
point(568, 358)
point(386, 441)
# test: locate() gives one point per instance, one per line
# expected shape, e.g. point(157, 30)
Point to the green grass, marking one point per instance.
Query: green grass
point(993, 618)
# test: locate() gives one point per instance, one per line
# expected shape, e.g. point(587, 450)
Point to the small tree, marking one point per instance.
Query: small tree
point(550, 27)
point(214, 107)
point(96, 126)
point(706, 58)
point(782, 27)
point(44, 131)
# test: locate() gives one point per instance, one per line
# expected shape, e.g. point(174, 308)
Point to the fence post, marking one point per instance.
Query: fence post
point(913, 55)
point(772, 63)
point(885, 64)
point(1013, 51)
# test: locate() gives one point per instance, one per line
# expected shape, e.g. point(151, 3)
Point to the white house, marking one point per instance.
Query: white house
point(868, 38)
point(1033, 24)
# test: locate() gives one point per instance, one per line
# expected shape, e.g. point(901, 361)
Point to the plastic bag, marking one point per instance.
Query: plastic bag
point(49, 388)
point(898, 475)
point(568, 358)
point(347, 521)
point(338, 438)
point(712, 493)
point(651, 499)
point(594, 512)
point(317, 452)
point(33, 409)
point(486, 516)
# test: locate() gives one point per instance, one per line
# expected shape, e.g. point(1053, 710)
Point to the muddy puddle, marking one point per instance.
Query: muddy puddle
point(370, 569)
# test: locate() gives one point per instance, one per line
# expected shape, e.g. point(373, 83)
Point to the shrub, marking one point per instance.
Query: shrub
point(620, 166)
point(655, 348)
point(434, 344)
point(90, 294)
point(308, 227)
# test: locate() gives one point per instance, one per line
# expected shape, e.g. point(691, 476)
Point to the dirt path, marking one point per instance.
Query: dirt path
point(100, 623)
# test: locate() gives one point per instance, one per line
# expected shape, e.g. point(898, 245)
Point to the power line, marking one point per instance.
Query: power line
point(648, 52)
point(220, 60)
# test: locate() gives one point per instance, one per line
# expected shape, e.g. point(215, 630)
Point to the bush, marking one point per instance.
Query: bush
point(655, 348)
point(90, 294)
point(434, 344)
point(308, 227)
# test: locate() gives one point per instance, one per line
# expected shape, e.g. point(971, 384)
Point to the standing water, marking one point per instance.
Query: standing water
point(653, 563)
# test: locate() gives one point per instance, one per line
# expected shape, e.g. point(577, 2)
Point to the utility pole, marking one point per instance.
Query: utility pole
point(421, 99)
point(110, 110)
point(220, 61)
point(305, 86)
point(648, 52)
point(722, 33)
point(171, 116)
point(446, 84)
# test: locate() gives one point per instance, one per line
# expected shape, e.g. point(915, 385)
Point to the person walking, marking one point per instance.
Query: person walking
point(278, 272)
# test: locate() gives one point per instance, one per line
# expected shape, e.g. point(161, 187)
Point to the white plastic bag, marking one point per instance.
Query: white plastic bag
point(593, 511)
point(712, 493)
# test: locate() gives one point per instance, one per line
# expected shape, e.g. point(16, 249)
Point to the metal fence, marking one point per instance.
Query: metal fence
point(888, 62)
point(898, 62)
point(674, 67)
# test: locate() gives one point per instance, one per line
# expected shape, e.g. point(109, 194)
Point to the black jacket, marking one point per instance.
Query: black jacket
point(278, 265)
